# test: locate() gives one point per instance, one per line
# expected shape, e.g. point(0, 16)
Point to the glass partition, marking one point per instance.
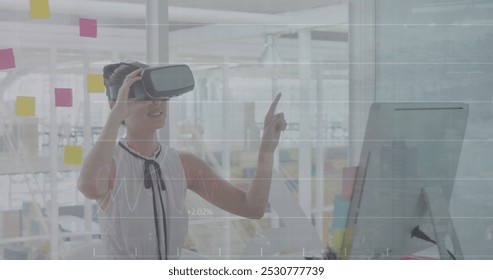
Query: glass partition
point(241, 54)
point(51, 112)
point(241, 59)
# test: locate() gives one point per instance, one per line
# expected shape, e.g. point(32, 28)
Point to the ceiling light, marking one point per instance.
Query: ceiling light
point(270, 56)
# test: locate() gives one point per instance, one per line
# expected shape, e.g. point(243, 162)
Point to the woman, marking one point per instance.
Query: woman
point(140, 186)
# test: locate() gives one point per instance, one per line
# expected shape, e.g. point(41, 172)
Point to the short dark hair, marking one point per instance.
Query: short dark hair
point(115, 73)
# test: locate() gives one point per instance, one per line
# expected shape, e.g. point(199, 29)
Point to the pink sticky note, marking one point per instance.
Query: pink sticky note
point(88, 27)
point(63, 97)
point(7, 60)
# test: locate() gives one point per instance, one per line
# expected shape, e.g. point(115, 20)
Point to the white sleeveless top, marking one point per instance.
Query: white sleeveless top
point(133, 217)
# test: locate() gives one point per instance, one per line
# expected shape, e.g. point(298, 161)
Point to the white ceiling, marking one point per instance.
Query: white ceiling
point(202, 31)
point(250, 6)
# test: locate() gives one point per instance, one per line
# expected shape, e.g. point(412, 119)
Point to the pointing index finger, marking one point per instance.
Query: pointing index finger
point(273, 106)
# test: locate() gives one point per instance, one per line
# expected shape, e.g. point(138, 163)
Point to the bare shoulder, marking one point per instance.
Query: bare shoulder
point(189, 161)
point(192, 162)
point(187, 156)
point(195, 168)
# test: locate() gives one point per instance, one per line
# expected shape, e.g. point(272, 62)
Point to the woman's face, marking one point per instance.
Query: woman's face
point(148, 118)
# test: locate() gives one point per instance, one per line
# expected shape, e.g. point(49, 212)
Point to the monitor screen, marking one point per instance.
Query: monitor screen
point(407, 169)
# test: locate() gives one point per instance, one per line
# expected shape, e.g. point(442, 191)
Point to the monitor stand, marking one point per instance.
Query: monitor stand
point(433, 202)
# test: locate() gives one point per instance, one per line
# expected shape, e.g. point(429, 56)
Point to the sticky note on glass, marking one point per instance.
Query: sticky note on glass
point(342, 242)
point(95, 83)
point(341, 210)
point(7, 60)
point(40, 9)
point(72, 155)
point(337, 239)
point(25, 106)
point(88, 27)
point(63, 97)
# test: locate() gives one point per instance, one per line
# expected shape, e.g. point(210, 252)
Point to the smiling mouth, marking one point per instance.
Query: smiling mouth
point(155, 114)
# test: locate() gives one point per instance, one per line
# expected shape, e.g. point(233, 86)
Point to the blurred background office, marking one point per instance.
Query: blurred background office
point(330, 58)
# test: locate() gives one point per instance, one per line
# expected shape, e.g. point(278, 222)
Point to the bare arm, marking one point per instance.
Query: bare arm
point(95, 179)
point(204, 181)
point(258, 193)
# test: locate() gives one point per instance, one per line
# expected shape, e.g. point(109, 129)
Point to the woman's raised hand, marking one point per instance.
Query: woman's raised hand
point(124, 107)
point(274, 124)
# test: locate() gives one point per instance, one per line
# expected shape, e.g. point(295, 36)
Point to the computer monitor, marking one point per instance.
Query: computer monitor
point(404, 182)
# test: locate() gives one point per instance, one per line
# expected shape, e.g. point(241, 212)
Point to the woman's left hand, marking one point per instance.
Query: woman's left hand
point(274, 124)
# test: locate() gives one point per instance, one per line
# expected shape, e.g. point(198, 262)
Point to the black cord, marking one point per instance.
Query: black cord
point(156, 225)
point(148, 184)
point(418, 233)
point(164, 222)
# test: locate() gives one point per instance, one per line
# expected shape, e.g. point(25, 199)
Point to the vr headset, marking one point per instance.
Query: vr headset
point(158, 83)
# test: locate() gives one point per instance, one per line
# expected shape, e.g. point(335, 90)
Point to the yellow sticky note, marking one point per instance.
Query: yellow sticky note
point(342, 239)
point(72, 155)
point(25, 106)
point(337, 239)
point(95, 83)
point(40, 9)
